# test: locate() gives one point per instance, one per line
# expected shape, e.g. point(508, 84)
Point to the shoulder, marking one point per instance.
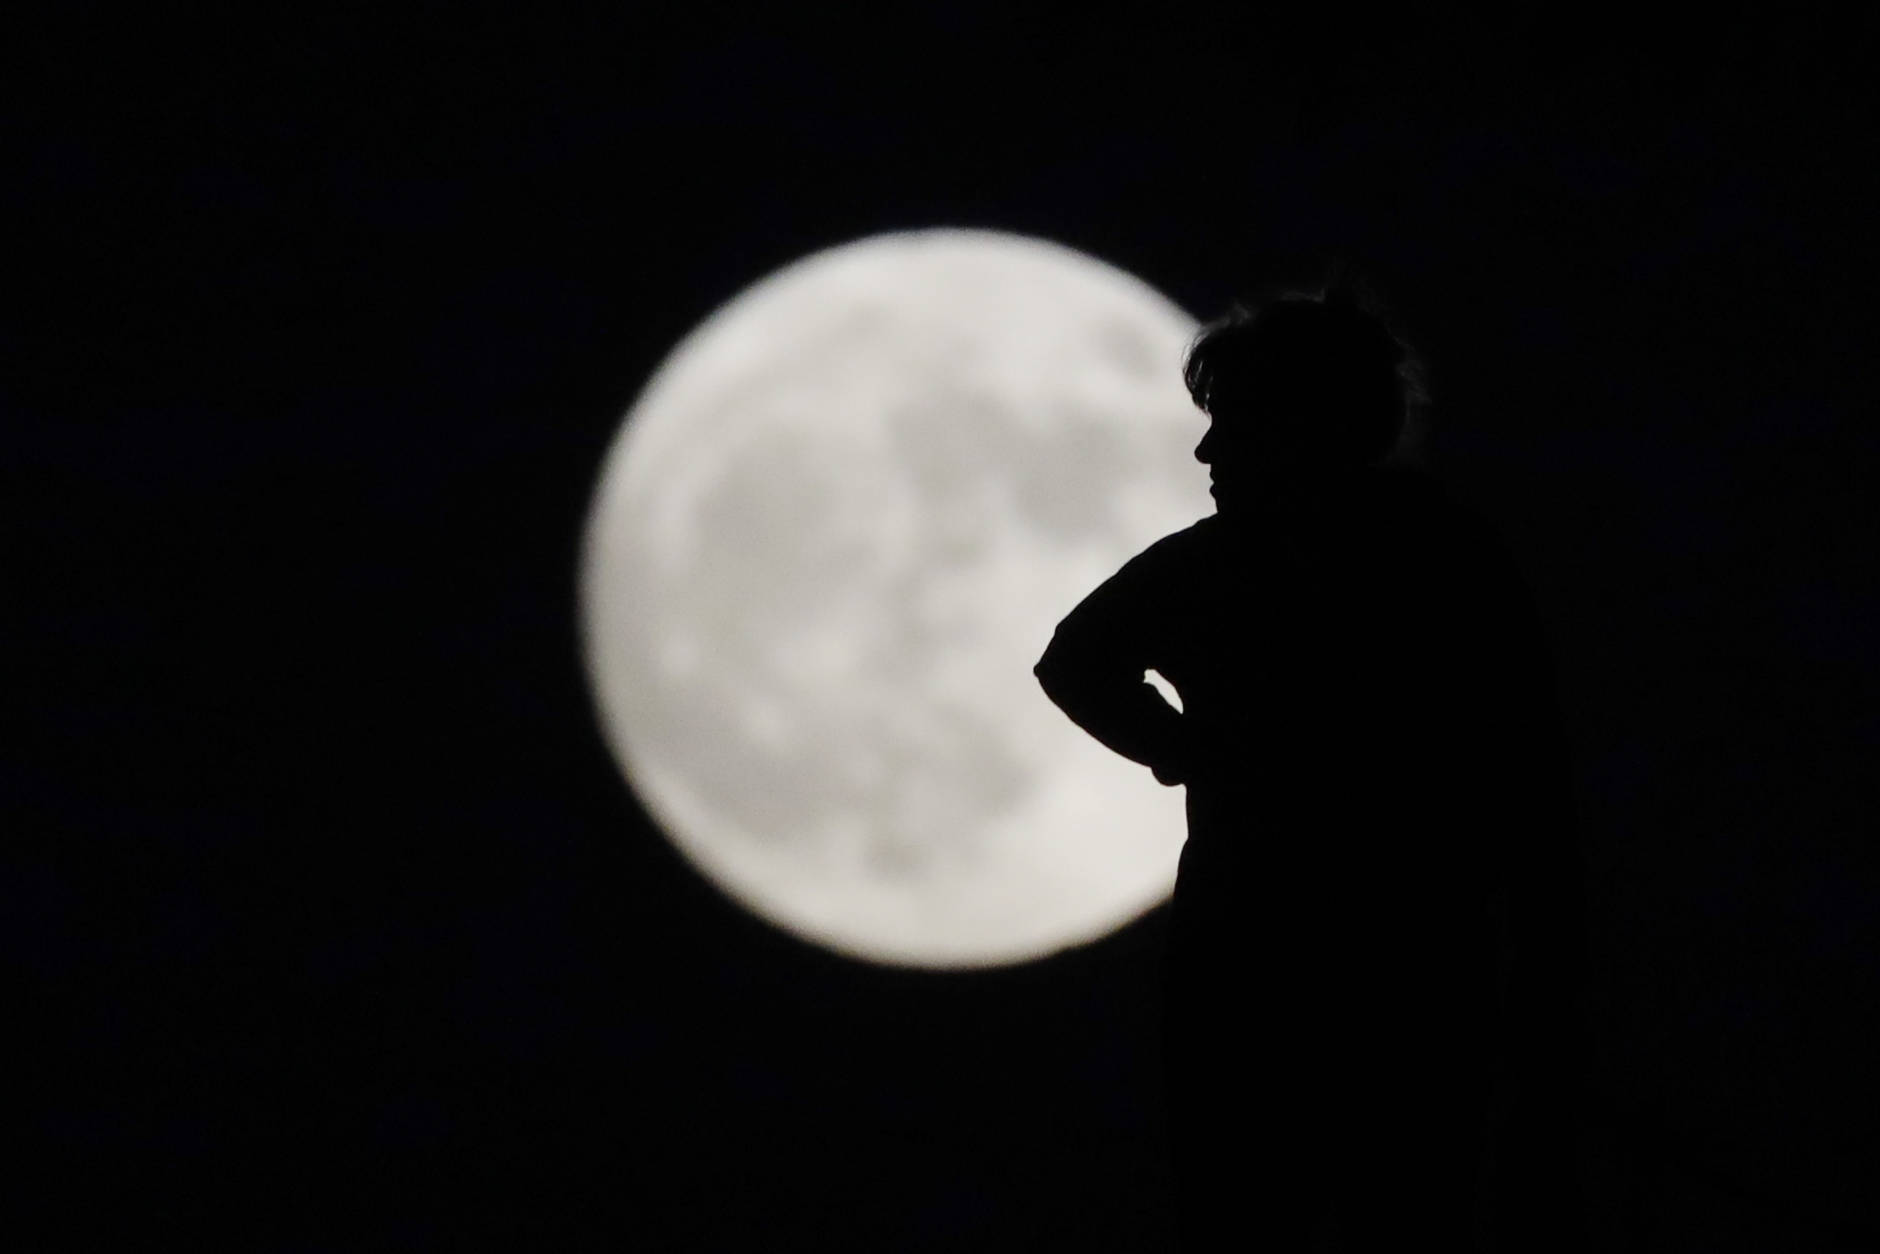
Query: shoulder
point(1140, 593)
point(1179, 548)
point(1157, 573)
point(1418, 497)
point(1463, 559)
point(1425, 513)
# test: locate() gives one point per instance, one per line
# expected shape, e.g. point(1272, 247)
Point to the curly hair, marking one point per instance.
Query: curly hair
point(1328, 360)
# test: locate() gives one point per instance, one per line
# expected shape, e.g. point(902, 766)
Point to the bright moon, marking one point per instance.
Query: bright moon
point(830, 540)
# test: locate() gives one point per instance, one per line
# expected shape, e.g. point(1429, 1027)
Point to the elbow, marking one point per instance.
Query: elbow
point(1045, 674)
point(1050, 674)
point(1067, 681)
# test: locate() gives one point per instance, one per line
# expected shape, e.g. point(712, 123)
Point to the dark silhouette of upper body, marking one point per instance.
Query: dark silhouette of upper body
point(1366, 932)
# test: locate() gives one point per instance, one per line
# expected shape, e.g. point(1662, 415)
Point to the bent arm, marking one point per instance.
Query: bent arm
point(1125, 716)
point(1094, 671)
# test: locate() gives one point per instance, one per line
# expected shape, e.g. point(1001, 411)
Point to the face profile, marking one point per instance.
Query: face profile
point(1301, 392)
point(1257, 460)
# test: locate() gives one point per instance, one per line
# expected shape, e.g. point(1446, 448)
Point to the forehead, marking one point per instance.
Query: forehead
point(1255, 403)
point(1265, 377)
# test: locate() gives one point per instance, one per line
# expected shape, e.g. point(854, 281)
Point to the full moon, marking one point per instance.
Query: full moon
point(832, 536)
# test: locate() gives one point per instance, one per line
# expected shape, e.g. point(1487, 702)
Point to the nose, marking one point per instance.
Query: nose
point(1204, 451)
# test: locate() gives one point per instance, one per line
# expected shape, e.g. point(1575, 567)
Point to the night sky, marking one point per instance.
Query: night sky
point(330, 924)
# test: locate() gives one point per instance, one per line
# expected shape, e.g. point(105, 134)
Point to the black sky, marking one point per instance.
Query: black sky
point(332, 924)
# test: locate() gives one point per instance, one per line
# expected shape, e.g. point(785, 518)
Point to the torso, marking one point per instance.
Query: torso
point(1300, 821)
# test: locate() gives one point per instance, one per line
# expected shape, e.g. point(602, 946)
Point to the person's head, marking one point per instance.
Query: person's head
point(1300, 388)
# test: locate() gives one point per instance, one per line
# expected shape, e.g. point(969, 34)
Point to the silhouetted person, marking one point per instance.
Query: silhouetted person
point(1368, 925)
